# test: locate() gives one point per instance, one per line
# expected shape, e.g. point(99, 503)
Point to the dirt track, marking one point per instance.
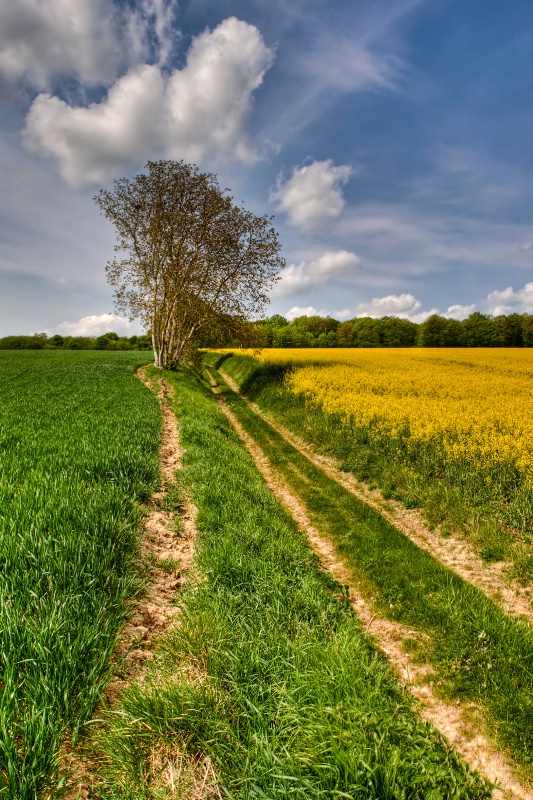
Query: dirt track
point(456, 724)
point(167, 548)
point(454, 553)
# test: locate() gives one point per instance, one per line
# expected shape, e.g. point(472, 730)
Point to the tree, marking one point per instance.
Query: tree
point(479, 330)
point(268, 327)
point(508, 330)
point(366, 332)
point(527, 329)
point(193, 259)
point(438, 331)
point(397, 332)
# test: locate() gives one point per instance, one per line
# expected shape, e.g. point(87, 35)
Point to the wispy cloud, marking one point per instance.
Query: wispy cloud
point(406, 239)
point(337, 56)
point(467, 178)
point(343, 63)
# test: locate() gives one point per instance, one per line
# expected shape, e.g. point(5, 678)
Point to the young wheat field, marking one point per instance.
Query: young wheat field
point(79, 438)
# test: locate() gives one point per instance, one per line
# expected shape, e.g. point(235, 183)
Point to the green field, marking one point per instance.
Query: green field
point(79, 437)
point(268, 681)
point(289, 698)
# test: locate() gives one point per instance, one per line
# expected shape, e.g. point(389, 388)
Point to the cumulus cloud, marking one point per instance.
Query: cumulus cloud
point(405, 306)
point(459, 311)
point(331, 265)
point(42, 40)
point(308, 311)
point(343, 313)
point(507, 301)
point(313, 193)
point(311, 311)
point(196, 113)
point(97, 324)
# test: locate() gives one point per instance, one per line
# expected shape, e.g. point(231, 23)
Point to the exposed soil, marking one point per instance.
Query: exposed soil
point(167, 548)
point(459, 725)
point(456, 554)
point(167, 542)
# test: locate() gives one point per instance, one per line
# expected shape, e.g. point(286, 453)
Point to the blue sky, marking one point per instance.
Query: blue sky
point(390, 138)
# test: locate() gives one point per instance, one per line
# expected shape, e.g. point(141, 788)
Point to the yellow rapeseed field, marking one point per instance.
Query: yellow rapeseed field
point(470, 411)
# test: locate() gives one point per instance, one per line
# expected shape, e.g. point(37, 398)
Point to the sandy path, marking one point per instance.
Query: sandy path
point(164, 539)
point(456, 554)
point(456, 724)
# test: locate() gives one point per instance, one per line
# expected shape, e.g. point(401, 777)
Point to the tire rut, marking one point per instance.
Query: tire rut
point(459, 725)
point(455, 554)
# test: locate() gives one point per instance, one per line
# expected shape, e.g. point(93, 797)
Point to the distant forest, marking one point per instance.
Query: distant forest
point(477, 330)
point(108, 341)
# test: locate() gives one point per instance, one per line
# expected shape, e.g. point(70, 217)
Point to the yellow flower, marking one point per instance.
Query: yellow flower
point(471, 408)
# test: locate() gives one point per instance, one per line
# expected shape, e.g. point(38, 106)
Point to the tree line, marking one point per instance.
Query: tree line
point(107, 341)
point(477, 330)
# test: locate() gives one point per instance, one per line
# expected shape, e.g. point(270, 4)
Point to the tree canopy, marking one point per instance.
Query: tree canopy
point(194, 262)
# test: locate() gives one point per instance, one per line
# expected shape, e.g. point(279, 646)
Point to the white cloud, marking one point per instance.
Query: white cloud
point(405, 306)
point(343, 313)
point(507, 301)
point(42, 40)
point(308, 311)
point(96, 325)
point(197, 113)
point(311, 311)
point(459, 311)
point(313, 193)
point(331, 265)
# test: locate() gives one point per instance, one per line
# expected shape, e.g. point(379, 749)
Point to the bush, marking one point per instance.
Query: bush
point(22, 343)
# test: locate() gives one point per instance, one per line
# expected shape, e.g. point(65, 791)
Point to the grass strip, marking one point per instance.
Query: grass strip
point(479, 654)
point(268, 674)
point(78, 452)
point(499, 528)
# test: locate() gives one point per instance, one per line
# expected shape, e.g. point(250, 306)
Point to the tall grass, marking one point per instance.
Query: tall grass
point(78, 452)
point(489, 505)
point(478, 653)
point(268, 673)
